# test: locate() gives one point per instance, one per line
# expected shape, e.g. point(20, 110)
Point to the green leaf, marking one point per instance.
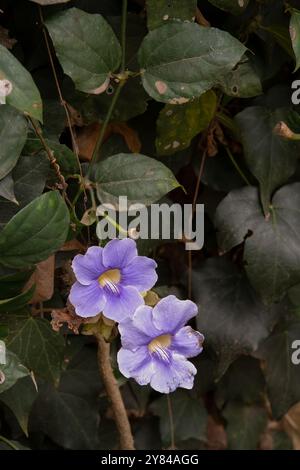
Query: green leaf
point(245, 425)
point(242, 82)
point(142, 179)
point(231, 316)
point(272, 252)
point(20, 399)
point(35, 232)
point(189, 416)
point(16, 303)
point(13, 134)
point(177, 125)
point(24, 95)
point(233, 6)
point(131, 102)
point(294, 298)
point(27, 170)
point(7, 189)
point(37, 345)
point(282, 376)
point(160, 12)
point(12, 282)
point(280, 33)
point(295, 35)
point(49, 2)
point(8, 444)
point(180, 61)
point(243, 382)
point(64, 156)
point(82, 375)
point(270, 158)
point(11, 371)
point(86, 47)
point(67, 419)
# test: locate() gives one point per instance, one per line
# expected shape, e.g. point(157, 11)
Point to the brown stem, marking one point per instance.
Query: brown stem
point(172, 430)
point(114, 394)
point(51, 158)
point(62, 100)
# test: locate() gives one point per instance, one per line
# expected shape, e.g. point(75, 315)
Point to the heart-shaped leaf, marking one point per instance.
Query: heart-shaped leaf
point(231, 317)
point(272, 248)
point(13, 134)
point(270, 158)
point(35, 232)
point(24, 95)
point(142, 179)
point(36, 344)
point(181, 61)
point(86, 47)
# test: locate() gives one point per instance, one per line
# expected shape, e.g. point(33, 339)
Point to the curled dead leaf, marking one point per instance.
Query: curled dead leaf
point(43, 278)
point(87, 138)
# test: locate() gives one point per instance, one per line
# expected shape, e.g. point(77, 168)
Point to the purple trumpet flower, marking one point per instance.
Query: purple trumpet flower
point(111, 279)
point(156, 344)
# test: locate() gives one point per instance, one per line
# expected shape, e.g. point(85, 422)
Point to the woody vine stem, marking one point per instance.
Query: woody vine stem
point(104, 362)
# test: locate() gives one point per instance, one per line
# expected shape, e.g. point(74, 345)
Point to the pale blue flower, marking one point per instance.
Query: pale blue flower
point(111, 279)
point(156, 344)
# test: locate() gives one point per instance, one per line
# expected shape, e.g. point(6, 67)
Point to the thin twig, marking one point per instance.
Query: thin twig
point(61, 98)
point(190, 260)
point(51, 158)
point(114, 395)
point(170, 413)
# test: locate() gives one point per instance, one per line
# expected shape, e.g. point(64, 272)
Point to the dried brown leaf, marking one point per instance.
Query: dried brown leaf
point(43, 278)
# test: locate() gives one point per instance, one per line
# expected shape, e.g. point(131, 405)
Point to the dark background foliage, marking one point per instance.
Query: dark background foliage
point(220, 147)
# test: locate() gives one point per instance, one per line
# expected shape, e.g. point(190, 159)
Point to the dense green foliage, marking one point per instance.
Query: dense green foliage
point(198, 108)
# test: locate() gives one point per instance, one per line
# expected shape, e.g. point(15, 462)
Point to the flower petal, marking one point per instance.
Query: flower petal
point(187, 342)
point(171, 314)
point(137, 365)
point(170, 375)
point(140, 272)
point(139, 330)
point(88, 267)
point(87, 300)
point(122, 305)
point(118, 253)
